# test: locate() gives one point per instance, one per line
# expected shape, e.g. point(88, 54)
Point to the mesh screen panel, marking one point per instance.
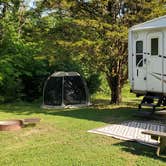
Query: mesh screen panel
point(74, 90)
point(53, 91)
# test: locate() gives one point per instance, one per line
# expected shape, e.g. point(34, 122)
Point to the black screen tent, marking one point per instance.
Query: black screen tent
point(65, 89)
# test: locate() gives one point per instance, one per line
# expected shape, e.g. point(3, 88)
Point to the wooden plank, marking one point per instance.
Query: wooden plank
point(31, 120)
point(155, 133)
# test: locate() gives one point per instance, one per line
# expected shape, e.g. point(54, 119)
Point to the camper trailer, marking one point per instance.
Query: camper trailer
point(147, 60)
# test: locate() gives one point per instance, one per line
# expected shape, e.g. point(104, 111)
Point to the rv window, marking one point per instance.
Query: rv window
point(139, 60)
point(154, 46)
point(139, 46)
point(139, 53)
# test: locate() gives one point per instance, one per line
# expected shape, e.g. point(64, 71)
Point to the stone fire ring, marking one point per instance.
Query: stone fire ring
point(9, 125)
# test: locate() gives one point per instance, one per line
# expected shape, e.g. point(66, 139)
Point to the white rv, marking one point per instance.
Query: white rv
point(147, 58)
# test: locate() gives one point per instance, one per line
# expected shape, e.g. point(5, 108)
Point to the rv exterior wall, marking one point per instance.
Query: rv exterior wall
point(164, 61)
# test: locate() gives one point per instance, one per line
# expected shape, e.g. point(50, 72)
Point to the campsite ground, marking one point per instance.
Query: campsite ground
point(61, 137)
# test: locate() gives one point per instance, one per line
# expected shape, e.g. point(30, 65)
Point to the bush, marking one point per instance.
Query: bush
point(93, 83)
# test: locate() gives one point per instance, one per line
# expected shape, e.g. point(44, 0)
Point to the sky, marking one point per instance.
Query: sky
point(30, 3)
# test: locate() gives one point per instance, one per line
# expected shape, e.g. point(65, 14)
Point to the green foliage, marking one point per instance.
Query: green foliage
point(93, 83)
point(20, 59)
point(17, 65)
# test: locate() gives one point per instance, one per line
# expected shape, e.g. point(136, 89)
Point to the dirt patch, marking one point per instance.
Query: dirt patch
point(38, 129)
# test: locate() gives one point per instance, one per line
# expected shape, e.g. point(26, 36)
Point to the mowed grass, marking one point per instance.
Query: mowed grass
point(61, 138)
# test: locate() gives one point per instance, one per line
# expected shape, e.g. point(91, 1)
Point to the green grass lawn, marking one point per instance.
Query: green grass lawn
point(61, 137)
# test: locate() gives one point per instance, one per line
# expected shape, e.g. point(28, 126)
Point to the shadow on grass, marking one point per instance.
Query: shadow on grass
point(111, 115)
point(131, 102)
point(141, 150)
point(101, 110)
point(97, 112)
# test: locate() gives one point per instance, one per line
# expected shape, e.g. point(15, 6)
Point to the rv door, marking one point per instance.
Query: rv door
point(154, 56)
point(139, 67)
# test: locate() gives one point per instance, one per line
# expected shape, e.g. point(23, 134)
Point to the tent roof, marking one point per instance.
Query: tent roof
point(62, 74)
point(159, 22)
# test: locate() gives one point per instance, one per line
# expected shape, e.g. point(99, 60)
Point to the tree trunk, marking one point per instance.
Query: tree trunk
point(116, 89)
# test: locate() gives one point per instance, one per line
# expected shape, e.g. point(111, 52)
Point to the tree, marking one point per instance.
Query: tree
point(19, 63)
